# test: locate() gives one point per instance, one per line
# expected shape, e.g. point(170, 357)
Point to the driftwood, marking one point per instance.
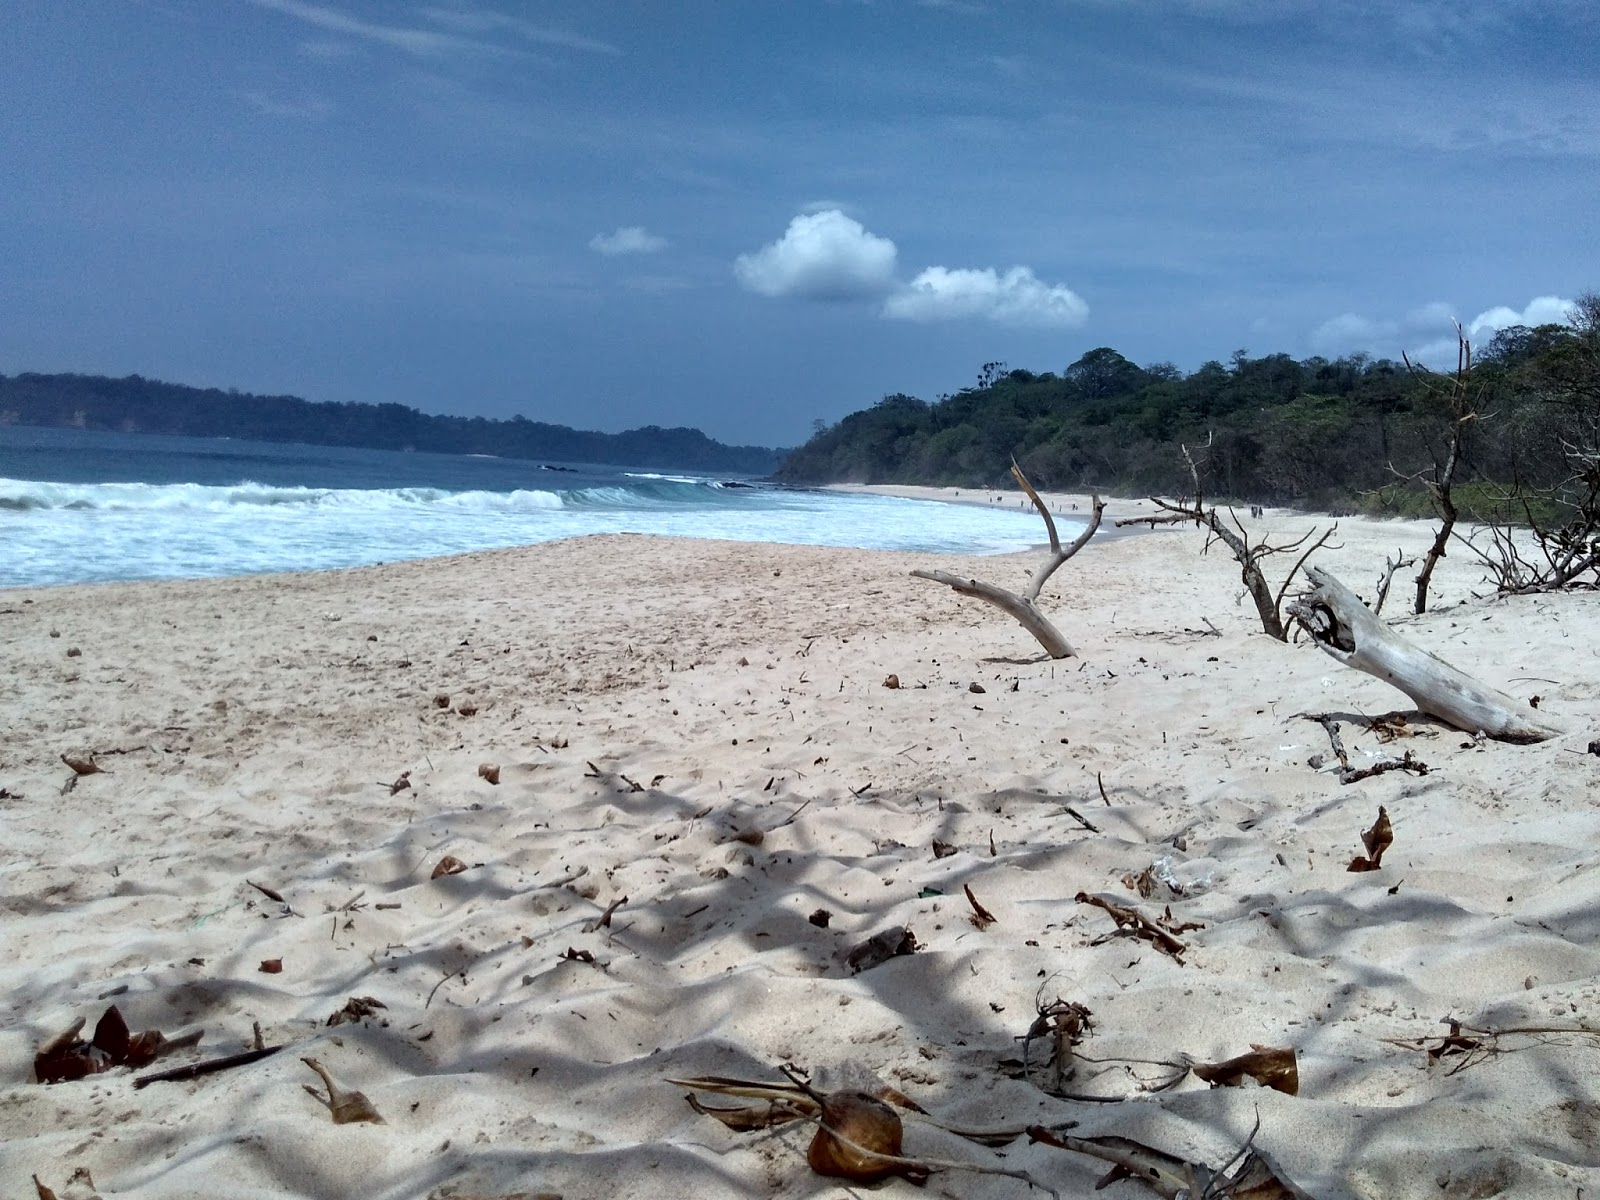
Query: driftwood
point(1347, 630)
point(1024, 605)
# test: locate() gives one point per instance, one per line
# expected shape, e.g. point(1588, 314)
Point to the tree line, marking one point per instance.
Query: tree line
point(1346, 434)
point(138, 405)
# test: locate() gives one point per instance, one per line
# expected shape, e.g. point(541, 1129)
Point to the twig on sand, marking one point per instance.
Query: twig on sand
point(208, 1067)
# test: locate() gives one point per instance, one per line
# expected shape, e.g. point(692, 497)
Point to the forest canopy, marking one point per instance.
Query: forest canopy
point(1340, 434)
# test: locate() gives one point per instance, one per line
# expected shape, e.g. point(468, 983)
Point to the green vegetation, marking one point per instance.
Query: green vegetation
point(1338, 435)
point(138, 405)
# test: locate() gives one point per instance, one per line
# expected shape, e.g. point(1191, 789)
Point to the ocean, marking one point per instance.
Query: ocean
point(82, 507)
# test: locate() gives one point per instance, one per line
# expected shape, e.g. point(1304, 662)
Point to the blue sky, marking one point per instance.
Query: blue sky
point(745, 216)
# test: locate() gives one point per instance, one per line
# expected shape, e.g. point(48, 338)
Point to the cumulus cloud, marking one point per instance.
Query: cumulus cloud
point(629, 239)
point(821, 256)
point(1351, 331)
point(1013, 297)
point(1426, 333)
point(1541, 310)
point(826, 255)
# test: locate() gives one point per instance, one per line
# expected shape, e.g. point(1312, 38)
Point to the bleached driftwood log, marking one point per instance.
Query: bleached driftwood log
point(1023, 606)
point(1348, 630)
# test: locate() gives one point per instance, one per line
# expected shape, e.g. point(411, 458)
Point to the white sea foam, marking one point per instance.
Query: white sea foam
point(61, 532)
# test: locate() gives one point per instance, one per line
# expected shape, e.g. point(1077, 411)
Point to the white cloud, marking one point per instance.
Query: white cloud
point(629, 239)
point(1541, 310)
point(821, 256)
point(1015, 297)
point(1351, 331)
point(1426, 334)
point(826, 255)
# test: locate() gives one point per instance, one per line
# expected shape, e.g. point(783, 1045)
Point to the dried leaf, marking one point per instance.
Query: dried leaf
point(489, 772)
point(80, 1186)
point(448, 865)
point(892, 682)
point(943, 849)
point(271, 966)
point(820, 918)
point(744, 1120)
point(82, 764)
point(67, 1057)
point(1273, 1067)
point(356, 1009)
point(857, 1130)
point(346, 1108)
point(881, 947)
point(1377, 839)
point(1131, 920)
point(981, 917)
point(269, 893)
point(401, 784)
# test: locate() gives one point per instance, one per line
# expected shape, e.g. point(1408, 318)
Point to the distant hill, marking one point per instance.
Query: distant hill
point(138, 405)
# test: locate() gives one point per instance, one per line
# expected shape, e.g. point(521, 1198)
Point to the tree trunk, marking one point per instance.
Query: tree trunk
point(1347, 630)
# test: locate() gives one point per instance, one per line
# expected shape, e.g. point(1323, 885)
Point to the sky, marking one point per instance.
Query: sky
point(749, 215)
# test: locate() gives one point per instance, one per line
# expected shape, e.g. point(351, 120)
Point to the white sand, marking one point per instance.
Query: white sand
point(247, 726)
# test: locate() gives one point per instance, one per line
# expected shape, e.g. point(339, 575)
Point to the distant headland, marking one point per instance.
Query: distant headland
point(134, 404)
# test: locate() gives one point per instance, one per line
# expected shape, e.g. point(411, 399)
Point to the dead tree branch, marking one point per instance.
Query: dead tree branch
point(1246, 552)
point(1023, 606)
point(1463, 411)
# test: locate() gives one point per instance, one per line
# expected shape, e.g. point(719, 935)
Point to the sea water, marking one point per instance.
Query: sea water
point(78, 507)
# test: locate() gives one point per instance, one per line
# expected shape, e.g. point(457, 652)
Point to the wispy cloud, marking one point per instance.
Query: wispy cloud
point(272, 106)
point(424, 43)
point(629, 239)
point(485, 21)
point(828, 256)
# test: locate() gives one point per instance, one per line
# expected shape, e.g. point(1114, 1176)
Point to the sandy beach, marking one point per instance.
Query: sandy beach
point(696, 752)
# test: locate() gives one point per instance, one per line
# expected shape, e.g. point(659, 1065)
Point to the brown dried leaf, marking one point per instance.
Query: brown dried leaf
point(80, 1186)
point(943, 849)
point(271, 966)
point(1273, 1067)
point(743, 1120)
point(1379, 838)
point(448, 865)
point(82, 764)
point(346, 1108)
point(401, 784)
point(981, 917)
point(881, 947)
point(489, 772)
point(67, 1056)
point(892, 682)
point(857, 1130)
point(356, 1009)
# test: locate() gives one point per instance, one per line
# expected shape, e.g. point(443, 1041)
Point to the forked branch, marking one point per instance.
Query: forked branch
point(1023, 605)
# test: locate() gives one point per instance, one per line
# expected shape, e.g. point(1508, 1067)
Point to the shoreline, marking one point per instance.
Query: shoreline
point(653, 704)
